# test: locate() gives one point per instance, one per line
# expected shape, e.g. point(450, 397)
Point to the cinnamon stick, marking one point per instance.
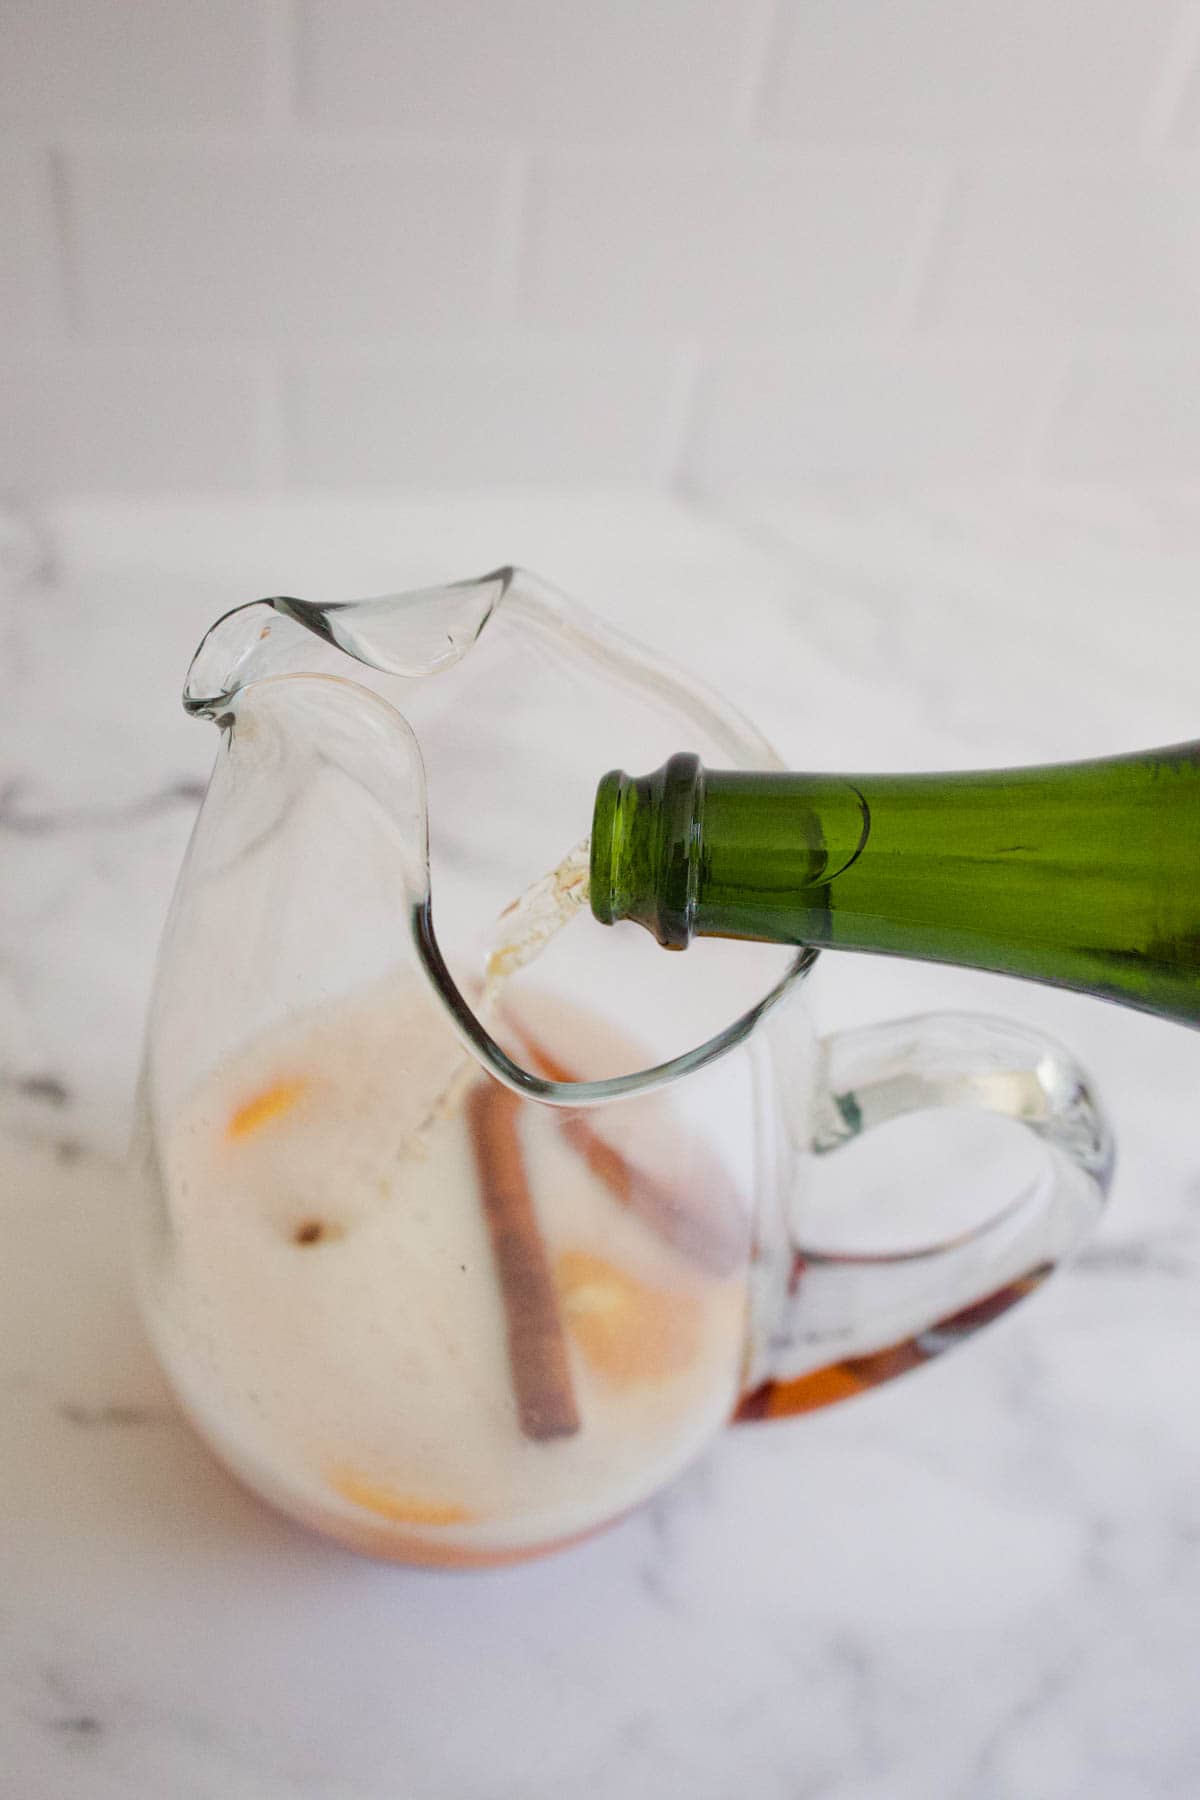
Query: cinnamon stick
point(537, 1348)
point(706, 1222)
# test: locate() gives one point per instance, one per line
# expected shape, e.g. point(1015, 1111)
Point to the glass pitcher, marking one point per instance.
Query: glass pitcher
point(458, 1277)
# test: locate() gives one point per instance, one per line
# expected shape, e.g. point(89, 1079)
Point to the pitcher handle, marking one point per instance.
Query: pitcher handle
point(851, 1321)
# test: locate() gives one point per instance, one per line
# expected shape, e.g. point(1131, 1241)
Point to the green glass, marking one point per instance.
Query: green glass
point(1086, 875)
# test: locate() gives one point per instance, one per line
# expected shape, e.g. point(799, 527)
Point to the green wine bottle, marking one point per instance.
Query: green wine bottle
point(1086, 875)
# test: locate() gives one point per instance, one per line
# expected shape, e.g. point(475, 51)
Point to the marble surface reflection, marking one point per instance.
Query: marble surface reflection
point(982, 1582)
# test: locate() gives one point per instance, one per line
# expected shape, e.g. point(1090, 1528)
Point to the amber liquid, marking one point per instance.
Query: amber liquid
point(525, 928)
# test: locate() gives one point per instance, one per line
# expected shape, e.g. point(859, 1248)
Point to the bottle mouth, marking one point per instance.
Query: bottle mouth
point(647, 837)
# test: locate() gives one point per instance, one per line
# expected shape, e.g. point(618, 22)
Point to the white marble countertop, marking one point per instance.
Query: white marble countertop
point(982, 1581)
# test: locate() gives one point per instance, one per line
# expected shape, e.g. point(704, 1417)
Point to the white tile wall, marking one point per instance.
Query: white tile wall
point(482, 413)
point(1131, 414)
point(715, 243)
point(965, 74)
point(1180, 122)
point(1084, 247)
point(721, 245)
point(786, 417)
point(607, 69)
point(116, 422)
point(266, 244)
point(130, 62)
point(32, 300)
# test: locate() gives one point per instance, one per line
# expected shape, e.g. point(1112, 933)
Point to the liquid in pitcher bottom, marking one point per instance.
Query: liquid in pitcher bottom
point(432, 1320)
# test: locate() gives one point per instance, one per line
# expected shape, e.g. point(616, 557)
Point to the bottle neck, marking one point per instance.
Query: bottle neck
point(1086, 875)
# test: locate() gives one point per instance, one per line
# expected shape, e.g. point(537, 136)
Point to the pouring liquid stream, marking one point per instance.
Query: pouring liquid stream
point(525, 928)
point(521, 934)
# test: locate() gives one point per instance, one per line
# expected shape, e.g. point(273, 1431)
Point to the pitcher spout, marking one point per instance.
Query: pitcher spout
point(410, 635)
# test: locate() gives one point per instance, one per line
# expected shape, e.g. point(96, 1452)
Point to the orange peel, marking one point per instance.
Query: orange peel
point(264, 1108)
point(399, 1508)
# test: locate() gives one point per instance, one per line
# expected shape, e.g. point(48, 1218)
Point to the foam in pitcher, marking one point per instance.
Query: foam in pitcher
point(339, 1318)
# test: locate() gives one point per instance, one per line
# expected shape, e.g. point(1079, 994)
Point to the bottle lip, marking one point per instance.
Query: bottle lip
point(609, 815)
point(681, 811)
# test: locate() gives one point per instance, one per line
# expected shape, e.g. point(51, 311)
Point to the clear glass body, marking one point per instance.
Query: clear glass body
point(458, 1287)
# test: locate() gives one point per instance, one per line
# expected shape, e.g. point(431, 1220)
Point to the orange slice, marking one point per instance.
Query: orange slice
point(822, 1388)
point(629, 1331)
point(262, 1109)
point(402, 1509)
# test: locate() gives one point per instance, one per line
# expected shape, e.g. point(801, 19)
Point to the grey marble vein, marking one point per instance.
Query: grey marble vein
point(45, 822)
